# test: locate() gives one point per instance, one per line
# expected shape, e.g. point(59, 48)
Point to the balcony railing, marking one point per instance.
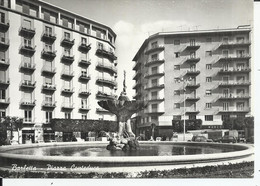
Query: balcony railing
point(5, 101)
point(192, 85)
point(102, 110)
point(67, 42)
point(84, 62)
point(67, 58)
point(28, 120)
point(4, 43)
point(192, 47)
point(83, 47)
point(232, 97)
point(137, 75)
point(84, 77)
point(4, 82)
point(192, 98)
point(234, 57)
point(107, 81)
point(48, 37)
point(4, 25)
point(105, 53)
point(191, 110)
point(67, 74)
point(107, 67)
point(154, 111)
point(4, 63)
point(49, 87)
point(154, 74)
point(27, 67)
point(155, 86)
point(28, 49)
point(235, 110)
point(48, 104)
point(154, 61)
point(153, 99)
point(28, 32)
point(234, 70)
point(154, 48)
point(28, 84)
point(234, 43)
point(66, 90)
point(104, 95)
point(27, 103)
point(234, 83)
point(84, 108)
point(68, 106)
point(84, 92)
point(192, 59)
point(48, 70)
point(48, 54)
point(192, 72)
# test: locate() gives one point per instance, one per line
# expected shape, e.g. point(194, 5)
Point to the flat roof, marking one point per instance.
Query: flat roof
point(242, 29)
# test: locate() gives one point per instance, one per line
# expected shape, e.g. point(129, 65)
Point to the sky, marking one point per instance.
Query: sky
point(135, 20)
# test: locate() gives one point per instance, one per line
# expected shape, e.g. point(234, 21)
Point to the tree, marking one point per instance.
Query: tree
point(194, 124)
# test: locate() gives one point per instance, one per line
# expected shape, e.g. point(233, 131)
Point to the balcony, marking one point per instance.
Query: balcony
point(48, 104)
point(84, 77)
point(104, 95)
point(137, 75)
point(192, 98)
point(234, 57)
point(154, 61)
point(27, 49)
point(4, 102)
point(233, 110)
point(155, 86)
point(103, 110)
point(192, 72)
point(84, 92)
point(84, 108)
point(26, 84)
point(67, 58)
point(154, 74)
point(4, 25)
point(110, 68)
point(234, 44)
point(154, 48)
point(192, 47)
point(67, 74)
point(4, 63)
point(107, 54)
point(156, 99)
point(233, 70)
point(137, 85)
point(234, 83)
point(48, 71)
point(48, 87)
point(137, 66)
point(84, 48)
point(154, 112)
point(106, 81)
point(66, 90)
point(4, 43)
point(4, 83)
point(67, 42)
point(27, 32)
point(192, 59)
point(27, 103)
point(192, 85)
point(234, 97)
point(27, 67)
point(48, 54)
point(48, 37)
point(84, 62)
point(28, 121)
point(67, 106)
point(191, 111)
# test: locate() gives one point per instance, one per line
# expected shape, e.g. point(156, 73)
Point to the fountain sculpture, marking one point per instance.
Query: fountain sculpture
point(123, 108)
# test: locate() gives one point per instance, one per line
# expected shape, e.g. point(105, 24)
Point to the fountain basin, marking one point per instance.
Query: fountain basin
point(22, 155)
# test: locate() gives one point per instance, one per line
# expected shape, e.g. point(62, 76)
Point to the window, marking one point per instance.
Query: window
point(225, 40)
point(225, 53)
point(177, 42)
point(84, 116)
point(208, 117)
point(241, 116)
point(154, 44)
point(208, 79)
point(83, 41)
point(154, 70)
point(177, 54)
point(225, 106)
point(48, 99)
point(177, 105)
point(154, 57)
point(240, 53)
point(208, 53)
point(66, 51)
point(84, 103)
point(154, 107)
point(192, 54)
point(209, 40)
point(154, 118)
point(26, 24)
point(154, 95)
point(67, 35)
point(154, 82)
point(48, 30)
point(192, 42)
point(27, 42)
point(208, 93)
point(177, 67)
point(2, 113)
point(67, 115)
point(26, 9)
point(192, 116)
point(225, 117)
point(48, 47)
point(208, 66)
point(2, 94)
point(240, 39)
point(27, 115)
point(2, 56)
point(27, 78)
point(48, 116)
point(240, 106)
point(177, 92)
point(98, 33)
point(27, 97)
point(2, 17)
point(27, 60)
point(208, 105)
point(100, 46)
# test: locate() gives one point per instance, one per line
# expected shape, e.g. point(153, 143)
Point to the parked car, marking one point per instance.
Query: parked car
point(227, 139)
point(40, 141)
point(14, 142)
point(51, 141)
point(199, 139)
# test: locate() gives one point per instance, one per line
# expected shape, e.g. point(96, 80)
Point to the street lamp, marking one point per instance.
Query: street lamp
point(184, 83)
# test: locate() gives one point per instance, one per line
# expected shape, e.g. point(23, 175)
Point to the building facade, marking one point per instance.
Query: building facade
point(194, 74)
point(53, 64)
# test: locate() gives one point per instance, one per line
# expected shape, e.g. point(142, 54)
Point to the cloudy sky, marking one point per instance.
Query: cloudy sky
point(134, 20)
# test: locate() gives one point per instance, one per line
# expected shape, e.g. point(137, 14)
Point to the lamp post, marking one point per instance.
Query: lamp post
point(184, 83)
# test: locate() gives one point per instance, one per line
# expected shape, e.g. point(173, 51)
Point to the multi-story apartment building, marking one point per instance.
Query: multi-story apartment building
point(194, 74)
point(53, 64)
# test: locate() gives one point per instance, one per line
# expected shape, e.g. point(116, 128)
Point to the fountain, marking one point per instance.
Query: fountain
point(123, 108)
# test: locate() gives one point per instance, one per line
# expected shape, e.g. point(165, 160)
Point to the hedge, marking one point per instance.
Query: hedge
point(238, 123)
point(189, 125)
